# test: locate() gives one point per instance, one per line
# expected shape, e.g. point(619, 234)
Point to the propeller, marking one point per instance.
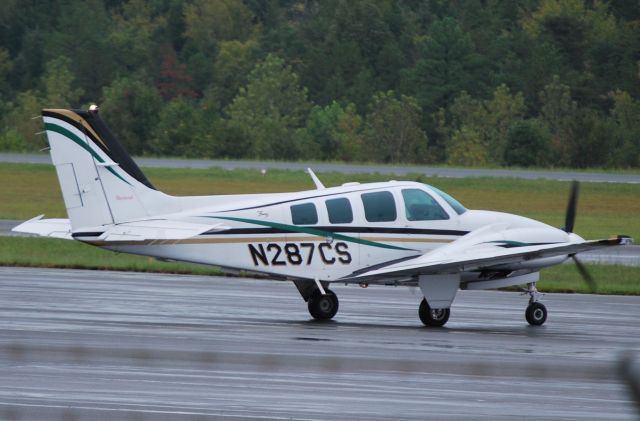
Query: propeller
point(588, 279)
point(569, 223)
point(570, 217)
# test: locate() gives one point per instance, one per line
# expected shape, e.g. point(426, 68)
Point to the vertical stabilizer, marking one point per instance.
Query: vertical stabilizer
point(100, 183)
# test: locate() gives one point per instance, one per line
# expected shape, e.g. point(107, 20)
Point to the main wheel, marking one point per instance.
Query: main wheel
point(536, 314)
point(323, 307)
point(433, 316)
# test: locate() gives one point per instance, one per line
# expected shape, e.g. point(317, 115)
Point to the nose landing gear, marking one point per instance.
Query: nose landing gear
point(536, 313)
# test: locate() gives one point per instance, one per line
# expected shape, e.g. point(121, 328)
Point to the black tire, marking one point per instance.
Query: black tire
point(536, 314)
point(323, 307)
point(433, 317)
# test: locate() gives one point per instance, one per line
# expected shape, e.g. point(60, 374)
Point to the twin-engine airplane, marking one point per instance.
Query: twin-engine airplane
point(393, 233)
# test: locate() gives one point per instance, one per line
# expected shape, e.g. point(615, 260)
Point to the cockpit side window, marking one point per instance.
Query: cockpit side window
point(339, 211)
point(379, 206)
point(304, 214)
point(457, 206)
point(420, 206)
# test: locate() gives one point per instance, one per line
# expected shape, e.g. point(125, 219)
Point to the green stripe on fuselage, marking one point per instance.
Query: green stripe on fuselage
point(312, 231)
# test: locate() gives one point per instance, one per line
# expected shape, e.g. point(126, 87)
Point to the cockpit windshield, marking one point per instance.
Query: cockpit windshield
point(457, 206)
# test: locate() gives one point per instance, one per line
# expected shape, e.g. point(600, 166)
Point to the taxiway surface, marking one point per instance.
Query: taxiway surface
point(104, 345)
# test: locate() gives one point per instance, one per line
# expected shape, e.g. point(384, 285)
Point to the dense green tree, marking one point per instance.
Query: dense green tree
point(59, 84)
point(468, 148)
point(624, 125)
point(559, 112)
point(82, 34)
point(482, 124)
point(181, 130)
point(336, 132)
point(210, 21)
point(271, 111)
point(134, 34)
point(132, 106)
point(23, 123)
point(393, 129)
point(6, 64)
point(483, 73)
point(527, 144)
point(445, 65)
point(233, 63)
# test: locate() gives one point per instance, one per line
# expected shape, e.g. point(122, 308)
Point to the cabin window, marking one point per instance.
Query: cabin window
point(379, 206)
point(304, 214)
point(339, 211)
point(420, 206)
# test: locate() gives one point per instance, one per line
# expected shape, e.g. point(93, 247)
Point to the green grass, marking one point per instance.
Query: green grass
point(54, 253)
point(610, 279)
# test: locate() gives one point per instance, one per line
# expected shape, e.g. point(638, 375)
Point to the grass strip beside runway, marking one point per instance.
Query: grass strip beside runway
point(52, 253)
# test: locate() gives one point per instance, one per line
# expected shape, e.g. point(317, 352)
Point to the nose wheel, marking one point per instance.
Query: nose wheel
point(536, 313)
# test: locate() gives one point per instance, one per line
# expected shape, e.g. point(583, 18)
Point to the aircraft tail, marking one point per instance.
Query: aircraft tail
point(100, 183)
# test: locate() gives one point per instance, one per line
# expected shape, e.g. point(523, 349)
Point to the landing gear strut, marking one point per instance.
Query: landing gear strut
point(536, 313)
point(433, 316)
point(323, 307)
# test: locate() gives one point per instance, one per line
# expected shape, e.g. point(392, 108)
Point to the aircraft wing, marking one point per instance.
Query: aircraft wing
point(55, 228)
point(153, 229)
point(476, 256)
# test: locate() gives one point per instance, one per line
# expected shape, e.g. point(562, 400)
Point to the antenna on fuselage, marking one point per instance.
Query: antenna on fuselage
point(316, 180)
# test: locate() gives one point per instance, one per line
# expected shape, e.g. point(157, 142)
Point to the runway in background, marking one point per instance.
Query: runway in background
point(103, 345)
point(400, 170)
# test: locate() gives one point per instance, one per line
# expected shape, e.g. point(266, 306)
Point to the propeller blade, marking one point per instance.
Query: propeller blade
point(591, 283)
point(570, 217)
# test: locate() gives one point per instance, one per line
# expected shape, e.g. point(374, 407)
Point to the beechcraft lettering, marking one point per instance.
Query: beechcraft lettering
point(398, 233)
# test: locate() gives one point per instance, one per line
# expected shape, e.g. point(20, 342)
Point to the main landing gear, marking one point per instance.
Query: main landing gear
point(536, 313)
point(323, 306)
point(433, 316)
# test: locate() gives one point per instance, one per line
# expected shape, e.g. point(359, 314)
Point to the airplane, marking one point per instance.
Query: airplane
point(398, 233)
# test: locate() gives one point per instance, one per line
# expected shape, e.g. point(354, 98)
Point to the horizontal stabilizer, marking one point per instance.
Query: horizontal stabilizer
point(55, 228)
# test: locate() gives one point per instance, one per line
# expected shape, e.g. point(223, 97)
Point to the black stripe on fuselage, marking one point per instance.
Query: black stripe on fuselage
point(342, 229)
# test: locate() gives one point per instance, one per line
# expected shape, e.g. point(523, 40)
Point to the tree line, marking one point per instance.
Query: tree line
point(461, 82)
